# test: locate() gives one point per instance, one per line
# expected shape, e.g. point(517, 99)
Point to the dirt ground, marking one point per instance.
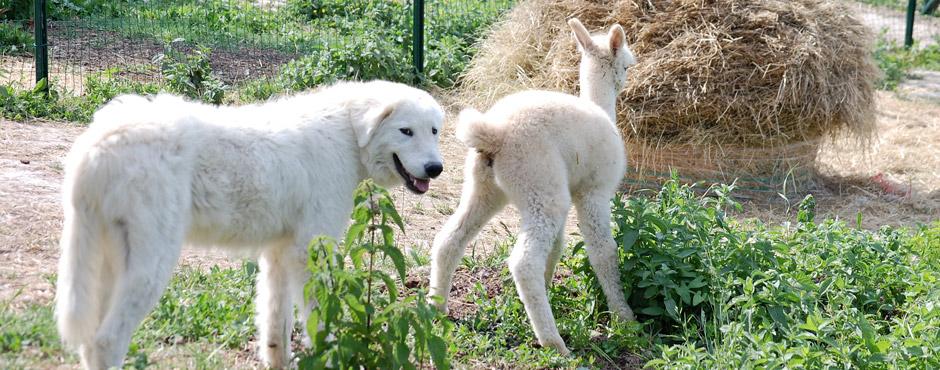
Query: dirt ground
point(895, 182)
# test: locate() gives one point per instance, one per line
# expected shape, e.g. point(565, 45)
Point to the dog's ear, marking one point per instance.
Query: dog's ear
point(371, 121)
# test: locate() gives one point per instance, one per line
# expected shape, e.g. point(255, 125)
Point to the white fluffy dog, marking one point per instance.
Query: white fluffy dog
point(543, 151)
point(151, 175)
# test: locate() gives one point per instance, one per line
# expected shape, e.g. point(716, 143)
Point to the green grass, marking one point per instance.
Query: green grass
point(709, 291)
point(201, 314)
point(899, 63)
point(330, 40)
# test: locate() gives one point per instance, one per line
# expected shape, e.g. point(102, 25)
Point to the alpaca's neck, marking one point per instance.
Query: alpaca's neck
point(600, 93)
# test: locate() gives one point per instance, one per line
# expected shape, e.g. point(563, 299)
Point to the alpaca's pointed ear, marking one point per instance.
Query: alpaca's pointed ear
point(581, 34)
point(617, 39)
point(371, 121)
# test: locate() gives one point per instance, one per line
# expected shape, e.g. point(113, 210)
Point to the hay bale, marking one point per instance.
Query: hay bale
point(722, 76)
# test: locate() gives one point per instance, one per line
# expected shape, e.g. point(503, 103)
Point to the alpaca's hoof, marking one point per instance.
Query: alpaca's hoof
point(561, 348)
point(441, 306)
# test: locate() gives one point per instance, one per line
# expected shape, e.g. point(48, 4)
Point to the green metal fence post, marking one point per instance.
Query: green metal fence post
point(930, 6)
point(417, 32)
point(41, 43)
point(909, 31)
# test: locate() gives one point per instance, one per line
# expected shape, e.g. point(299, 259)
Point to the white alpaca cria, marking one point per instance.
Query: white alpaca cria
point(151, 175)
point(542, 151)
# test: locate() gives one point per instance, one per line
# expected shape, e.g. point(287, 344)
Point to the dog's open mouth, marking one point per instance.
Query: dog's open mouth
point(419, 186)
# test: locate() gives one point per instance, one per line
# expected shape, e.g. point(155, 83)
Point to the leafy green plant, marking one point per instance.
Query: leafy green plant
point(666, 251)
point(374, 325)
point(190, 75)
point(31, 328)
point(103, 86)
point(807, 294)
point(259, 90)
point(14, 38)
point(25, 104)
point(216, 305)
point(373, 56)
point(897, 63)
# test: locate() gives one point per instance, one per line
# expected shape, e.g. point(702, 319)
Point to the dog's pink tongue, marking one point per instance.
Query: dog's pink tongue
point(422, 185)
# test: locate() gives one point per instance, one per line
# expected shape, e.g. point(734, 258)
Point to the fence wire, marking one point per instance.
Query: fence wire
point(252, 40)
point(249, 40)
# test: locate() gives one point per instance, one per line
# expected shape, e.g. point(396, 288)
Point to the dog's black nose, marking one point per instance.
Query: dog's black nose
point(433, 169)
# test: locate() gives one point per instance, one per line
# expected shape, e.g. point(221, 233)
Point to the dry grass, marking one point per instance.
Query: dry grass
point(904, 153)
point(752, 80)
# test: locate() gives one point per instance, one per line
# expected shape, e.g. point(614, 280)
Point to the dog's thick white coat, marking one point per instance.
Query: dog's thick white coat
point(543, 151)
point(149, 176)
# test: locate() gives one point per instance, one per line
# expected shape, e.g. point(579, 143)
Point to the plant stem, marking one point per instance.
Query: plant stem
point(371, 259)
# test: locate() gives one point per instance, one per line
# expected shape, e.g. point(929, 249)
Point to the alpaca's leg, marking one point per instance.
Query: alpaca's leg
point(275, 312)
point(544, 206)
point(594, 219)
point(558, 248)
point(480, 200)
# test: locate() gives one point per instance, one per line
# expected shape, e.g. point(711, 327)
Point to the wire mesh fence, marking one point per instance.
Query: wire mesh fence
point(888, 18)
point(303, 42)
point(244, 41)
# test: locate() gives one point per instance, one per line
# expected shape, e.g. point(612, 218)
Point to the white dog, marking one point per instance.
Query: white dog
point(150, 175)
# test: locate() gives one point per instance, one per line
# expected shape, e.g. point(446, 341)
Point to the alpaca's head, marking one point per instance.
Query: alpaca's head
point(604, 59)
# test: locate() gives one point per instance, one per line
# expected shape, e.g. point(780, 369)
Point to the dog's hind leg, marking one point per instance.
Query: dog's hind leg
point(151, 249)
point(594, 219)
point(274, 304)
point(481, 199)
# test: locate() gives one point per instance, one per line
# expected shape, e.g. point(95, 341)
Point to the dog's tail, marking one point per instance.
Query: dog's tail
point(79, 299)
point(474, 130)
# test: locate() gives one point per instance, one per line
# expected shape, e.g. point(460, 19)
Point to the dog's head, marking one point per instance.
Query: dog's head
point(399, 136)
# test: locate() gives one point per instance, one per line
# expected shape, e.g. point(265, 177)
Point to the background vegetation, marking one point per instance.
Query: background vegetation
point(710, 291)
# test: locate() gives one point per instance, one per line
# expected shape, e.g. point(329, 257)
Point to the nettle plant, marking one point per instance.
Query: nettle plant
point(190, 75)
point(666, 247)
point(364, 320)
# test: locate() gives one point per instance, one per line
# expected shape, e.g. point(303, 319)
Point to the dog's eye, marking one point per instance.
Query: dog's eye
point(434, 131)
point(407, 131)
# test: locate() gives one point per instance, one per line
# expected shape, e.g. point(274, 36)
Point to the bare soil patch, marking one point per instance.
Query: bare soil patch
point(76, 51)
point(896, 182)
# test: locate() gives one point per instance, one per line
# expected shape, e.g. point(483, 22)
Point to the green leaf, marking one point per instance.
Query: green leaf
point(651, 311)
point(629, 238)
point(671, 309)
point(402, 352)
point(354, 303)
point(354, 233)
point(398, 259)
point(438, 350)
point(779, 317)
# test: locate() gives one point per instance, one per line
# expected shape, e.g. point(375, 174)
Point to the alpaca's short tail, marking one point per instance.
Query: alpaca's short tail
point(79, 294)
point(474, 130)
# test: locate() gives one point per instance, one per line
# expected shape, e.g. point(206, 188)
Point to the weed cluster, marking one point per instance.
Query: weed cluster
point(711, 292)
point(716, 293)
point(898, 63)
point(190, 75)
point(333, 40)
point(362, 320)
